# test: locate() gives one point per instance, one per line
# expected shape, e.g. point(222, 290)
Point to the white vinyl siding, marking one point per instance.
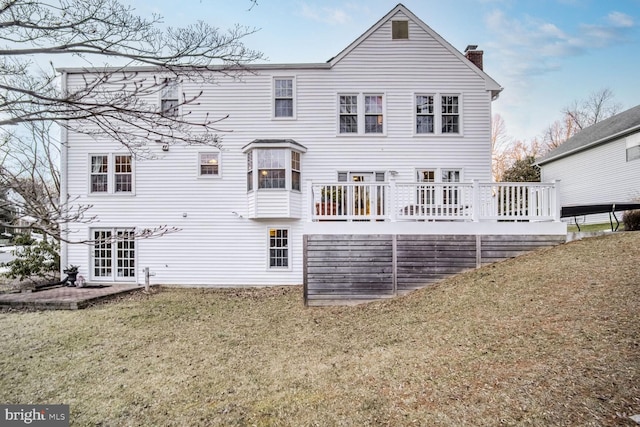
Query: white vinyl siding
point(219, 243)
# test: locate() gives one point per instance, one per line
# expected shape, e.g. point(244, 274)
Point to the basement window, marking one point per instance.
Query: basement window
point(399, 30)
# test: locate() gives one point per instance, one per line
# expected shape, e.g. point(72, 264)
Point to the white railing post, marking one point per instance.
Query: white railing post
point(557, 208)
point(475, 204)
point(393, 202)
point(311, 202)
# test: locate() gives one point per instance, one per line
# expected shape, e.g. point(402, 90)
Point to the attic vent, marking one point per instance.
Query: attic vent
point(399, 30)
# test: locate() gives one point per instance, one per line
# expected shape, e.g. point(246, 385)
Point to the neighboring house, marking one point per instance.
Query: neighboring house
point(390, 137)
point(599, 165)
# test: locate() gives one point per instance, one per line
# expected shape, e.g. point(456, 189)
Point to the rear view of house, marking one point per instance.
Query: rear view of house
point(389, 138)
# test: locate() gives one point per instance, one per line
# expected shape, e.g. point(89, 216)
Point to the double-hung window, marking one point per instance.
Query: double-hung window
point(111, 174)
point(272, 169)
point(209, 164)
point(169, 98)
point(437, 114)
point(278, 248)
point(424, 114)
point(99, 175)
point(450, 114)
point(348, 114)
point(283, 93)
point(361, 114)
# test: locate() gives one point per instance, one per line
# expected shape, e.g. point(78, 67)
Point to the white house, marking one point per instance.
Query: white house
point(390, 137)
point(598, 166)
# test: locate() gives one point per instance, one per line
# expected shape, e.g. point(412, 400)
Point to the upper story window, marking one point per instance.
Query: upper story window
point(348, 114)
point(450, 114)
point(437, 114)
point(209, 164)
point(274, 164)
point(110, 173)
point(123, 174)
point(169, 98)
point(424, 114)
point(633, 147)
point(361, 114)
point(283, 94)
point(399, 30)
point(99, 173)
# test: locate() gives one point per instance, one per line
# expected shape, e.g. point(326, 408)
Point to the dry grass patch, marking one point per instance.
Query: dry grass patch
point(550, 338)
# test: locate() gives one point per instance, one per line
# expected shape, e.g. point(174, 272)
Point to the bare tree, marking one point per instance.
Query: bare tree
point(110, 100)
point(500, 142)
point(580, 114)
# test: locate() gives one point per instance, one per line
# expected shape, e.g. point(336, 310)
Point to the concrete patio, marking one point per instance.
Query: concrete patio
point(63, 298)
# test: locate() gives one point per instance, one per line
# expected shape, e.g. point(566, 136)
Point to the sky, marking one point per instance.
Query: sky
point(546, 54)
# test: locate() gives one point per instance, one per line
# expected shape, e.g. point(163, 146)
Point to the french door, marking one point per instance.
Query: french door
point(114, 254)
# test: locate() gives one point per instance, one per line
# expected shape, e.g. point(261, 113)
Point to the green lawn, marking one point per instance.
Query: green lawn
point(550, 338)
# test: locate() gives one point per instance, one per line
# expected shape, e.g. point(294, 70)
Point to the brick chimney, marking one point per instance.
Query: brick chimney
point(473, 55)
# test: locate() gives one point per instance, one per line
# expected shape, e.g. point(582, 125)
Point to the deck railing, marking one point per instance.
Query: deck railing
point(471, 201)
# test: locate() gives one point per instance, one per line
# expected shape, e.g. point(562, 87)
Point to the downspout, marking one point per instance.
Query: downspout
point(64, 196)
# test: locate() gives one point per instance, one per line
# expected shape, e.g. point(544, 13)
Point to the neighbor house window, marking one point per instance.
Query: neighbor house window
point(99, 173)
point(633, 153)
point(278, 247)
point(348, 114)
point(283, 97)
point(114, 253)
point(272, 168)
point(373, 118)
point(123, 174)
point(209, 164)
point(399, 30)
point(169, 98)
point(450, 114)
point(362, 113)
point(111, 173)
point(424, 114)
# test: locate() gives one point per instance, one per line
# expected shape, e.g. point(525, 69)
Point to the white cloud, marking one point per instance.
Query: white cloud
point(620, 20)
point(325, 15)
point(530, 46)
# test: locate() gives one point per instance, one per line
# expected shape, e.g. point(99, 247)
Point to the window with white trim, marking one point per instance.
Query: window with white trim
point(450, 193)
point(427, 193)
point(170, 98)
point(209, 164)
point(442, 193)
point(272, 168)
point(113, 254)
point(278, 248)
point(348, 114)
point(275, 168)
point(99, 175)
point(111, 174)
point(450, 114)
point(123, 174)
point(295, 170)
point(361, 113)
point(424, 114)
point(250, 171)
point(283, 94)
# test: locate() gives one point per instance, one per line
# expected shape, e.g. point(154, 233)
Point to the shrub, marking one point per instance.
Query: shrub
point(41, 259)
point(23, 239)
point(631, 220)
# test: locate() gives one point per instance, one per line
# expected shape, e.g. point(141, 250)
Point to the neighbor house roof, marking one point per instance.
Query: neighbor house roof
point(610, 129)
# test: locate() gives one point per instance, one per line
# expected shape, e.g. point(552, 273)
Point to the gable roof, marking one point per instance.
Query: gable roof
point(491, 84)
point(602, 132)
